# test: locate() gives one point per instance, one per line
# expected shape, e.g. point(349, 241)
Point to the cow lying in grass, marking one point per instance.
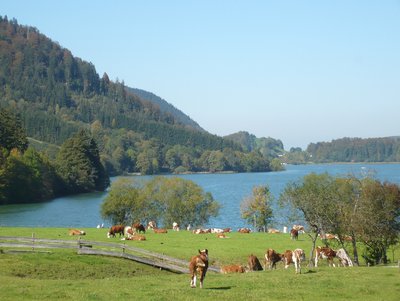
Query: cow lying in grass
point(76, 232)
point(233, 268)
point(198, 266)
point(254, 263)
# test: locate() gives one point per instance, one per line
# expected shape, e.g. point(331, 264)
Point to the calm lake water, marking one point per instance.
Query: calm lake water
point(228, 189)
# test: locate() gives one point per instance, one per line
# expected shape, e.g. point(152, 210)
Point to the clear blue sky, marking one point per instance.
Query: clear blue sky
point(299, 71)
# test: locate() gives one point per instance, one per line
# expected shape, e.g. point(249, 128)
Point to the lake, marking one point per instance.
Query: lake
point(229, 190)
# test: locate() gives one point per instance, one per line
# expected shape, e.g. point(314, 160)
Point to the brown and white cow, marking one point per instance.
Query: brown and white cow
point(233, 268)
point(298, 228)
point(271, 258)
point(296, 257)
point(273, 231)
point(325, 253)
point(160, 230)
point(128, 231)
point(198, 266)
point(294, 234)
point(328, 236)
point(198, 231)
point(136, 236)
point(116, 229)
point(254, 263)
point(244, 230)
point(221, 235)
point(175, 226)
point(151, 225)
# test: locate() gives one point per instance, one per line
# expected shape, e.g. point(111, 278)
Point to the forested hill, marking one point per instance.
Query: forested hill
point(267, 146)
point(166, 107)
point(356, 150)
point(56, 94)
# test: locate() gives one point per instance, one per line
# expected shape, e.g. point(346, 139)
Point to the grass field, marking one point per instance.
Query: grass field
point(63, 275)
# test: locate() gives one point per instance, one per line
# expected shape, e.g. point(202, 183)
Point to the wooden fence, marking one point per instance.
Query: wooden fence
point(86, 247)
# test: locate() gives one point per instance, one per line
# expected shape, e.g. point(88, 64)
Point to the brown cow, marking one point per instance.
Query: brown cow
point(325, 253)
point(271, 258)
point(254, 263)
point(198, 266)
point(160, 230)
point(294, 234)
point(76, 232)
point(116, 229)
point(233, 268)
point(139, 228)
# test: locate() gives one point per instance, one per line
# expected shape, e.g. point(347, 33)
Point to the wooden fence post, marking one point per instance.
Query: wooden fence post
point(33, 241)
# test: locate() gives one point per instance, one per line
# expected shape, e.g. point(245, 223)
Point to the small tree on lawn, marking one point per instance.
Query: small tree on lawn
point(256, 209)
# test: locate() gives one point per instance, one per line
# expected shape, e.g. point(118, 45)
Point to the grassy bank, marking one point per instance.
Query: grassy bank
point(63, 275)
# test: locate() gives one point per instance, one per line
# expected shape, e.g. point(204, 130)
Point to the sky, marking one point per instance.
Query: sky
point(299, 71)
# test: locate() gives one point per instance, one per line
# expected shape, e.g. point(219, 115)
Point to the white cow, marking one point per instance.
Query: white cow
point(344, 258)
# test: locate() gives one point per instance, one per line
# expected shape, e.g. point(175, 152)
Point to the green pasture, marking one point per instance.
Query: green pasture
point(63, 275)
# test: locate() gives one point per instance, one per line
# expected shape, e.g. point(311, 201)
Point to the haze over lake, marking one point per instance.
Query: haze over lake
point(229, 190)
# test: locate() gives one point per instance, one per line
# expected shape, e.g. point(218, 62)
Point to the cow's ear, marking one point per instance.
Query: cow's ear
point(199, 251)
point(206, 251)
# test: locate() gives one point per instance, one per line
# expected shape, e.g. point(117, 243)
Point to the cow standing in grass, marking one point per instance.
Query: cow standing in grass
point(296, 257)
point(294, 234)
point(116, 229)
point(198, 266)
point(271, 258)
point(325, 253)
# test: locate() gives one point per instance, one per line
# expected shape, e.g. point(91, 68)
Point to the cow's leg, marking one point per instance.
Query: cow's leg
point(202, 276)
point(193, 281)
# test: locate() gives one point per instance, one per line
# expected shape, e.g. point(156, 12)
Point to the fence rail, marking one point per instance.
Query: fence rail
point(86, 247)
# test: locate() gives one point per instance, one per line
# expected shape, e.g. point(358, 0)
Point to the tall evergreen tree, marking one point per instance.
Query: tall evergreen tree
point(78, 163)
point(12, 134)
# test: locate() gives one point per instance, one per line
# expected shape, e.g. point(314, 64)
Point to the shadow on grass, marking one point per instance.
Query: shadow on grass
point(310, 272)
point(219, 288)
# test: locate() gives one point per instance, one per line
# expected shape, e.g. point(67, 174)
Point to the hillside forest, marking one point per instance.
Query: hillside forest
point(52, 97)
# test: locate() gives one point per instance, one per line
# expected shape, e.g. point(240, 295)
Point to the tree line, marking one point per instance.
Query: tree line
point(356, 150)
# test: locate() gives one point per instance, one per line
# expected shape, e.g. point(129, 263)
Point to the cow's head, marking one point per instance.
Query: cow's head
point(204, 253)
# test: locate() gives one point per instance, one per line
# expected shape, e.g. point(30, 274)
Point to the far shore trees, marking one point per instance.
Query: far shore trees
point(163, 199)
